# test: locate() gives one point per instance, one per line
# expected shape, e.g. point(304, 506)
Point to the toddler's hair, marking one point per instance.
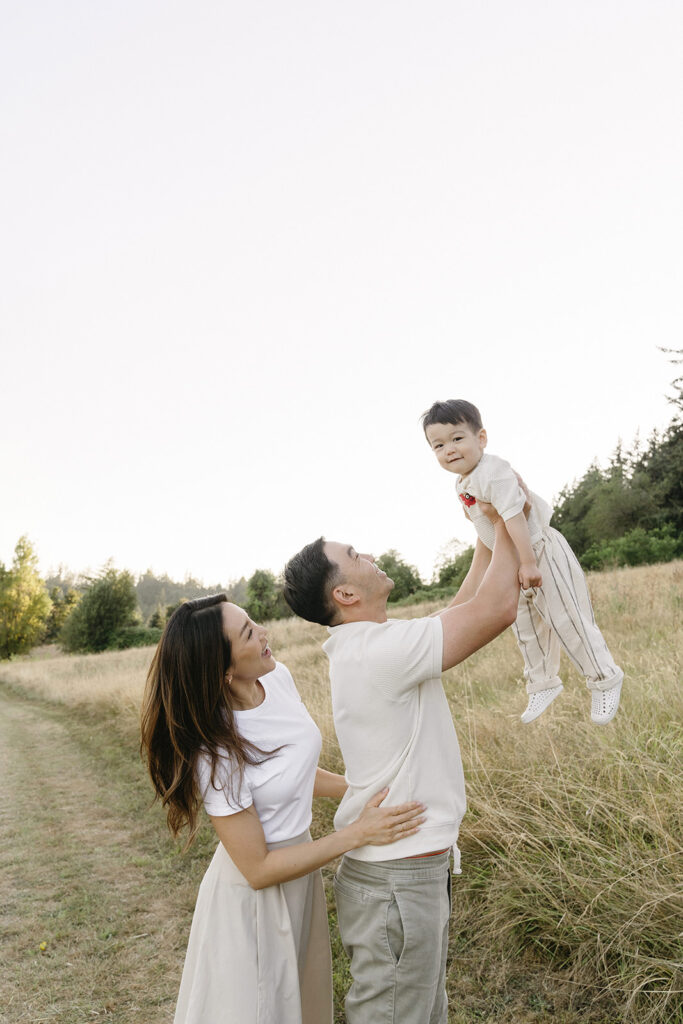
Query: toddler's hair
point(455, 410)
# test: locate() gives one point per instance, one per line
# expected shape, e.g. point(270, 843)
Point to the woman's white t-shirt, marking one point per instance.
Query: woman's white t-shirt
point(281, 787)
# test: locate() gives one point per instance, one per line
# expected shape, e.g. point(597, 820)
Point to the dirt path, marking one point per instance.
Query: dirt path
point(85, 867)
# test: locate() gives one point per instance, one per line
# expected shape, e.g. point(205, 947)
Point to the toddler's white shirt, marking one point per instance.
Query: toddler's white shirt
point(493, 480)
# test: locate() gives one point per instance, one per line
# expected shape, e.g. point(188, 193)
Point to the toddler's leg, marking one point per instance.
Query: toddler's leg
point(541, 652)
point(564, 602)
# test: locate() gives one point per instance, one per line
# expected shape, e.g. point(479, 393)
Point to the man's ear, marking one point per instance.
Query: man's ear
point(345, 595)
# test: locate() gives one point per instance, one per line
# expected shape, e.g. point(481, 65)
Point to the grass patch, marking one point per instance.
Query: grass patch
point(569, 906)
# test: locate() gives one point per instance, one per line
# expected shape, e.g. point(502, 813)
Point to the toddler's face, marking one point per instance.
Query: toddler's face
point(457, 447)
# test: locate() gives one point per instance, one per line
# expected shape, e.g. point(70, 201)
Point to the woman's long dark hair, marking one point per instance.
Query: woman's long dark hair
point(186, 709)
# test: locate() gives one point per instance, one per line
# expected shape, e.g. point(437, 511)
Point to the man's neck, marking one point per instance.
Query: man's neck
point(363, 613)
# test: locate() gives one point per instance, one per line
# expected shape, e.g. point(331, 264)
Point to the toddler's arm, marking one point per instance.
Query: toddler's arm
point(529, 574)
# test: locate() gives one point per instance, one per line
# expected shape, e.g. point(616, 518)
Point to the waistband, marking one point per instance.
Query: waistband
point(374, 870)
point(434, 853)
point(305, 837)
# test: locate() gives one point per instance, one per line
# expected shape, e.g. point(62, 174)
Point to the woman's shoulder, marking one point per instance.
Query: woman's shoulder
point(281, 672)
point(280, 680)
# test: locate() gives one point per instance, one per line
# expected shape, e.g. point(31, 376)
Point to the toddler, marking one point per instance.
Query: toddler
point(554, 605)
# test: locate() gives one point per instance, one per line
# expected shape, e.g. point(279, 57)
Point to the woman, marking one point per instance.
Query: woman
point(222, 723)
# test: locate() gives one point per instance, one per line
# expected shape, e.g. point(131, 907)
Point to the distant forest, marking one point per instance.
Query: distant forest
point(156, 593)
point(630, 513)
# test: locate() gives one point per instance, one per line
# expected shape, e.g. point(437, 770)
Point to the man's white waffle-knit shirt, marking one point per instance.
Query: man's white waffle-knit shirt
point(395, 729)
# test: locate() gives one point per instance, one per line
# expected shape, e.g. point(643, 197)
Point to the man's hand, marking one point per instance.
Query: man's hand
point(529, 575)
point(527, 495)
point(489, 511)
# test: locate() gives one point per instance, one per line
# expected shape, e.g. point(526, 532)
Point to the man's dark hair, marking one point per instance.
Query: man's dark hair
point(309, 579)
point(455, 410)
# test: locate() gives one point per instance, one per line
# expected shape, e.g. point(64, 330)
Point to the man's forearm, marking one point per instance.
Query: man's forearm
point(469, 626)
point(475, 574)
point(500, 581)
point(329, 784)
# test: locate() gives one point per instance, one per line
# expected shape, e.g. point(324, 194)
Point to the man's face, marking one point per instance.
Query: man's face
point(359, 570)
point(457, 447)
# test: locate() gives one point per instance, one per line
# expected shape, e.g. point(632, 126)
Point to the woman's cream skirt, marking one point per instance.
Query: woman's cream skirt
point(257, 956)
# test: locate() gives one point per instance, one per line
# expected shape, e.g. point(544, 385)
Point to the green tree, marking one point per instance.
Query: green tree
point(108, 606)
point(640, 493)
point(660, 470)
point(406, 577)
point(63, 603)
point(264, 598)
point(157, 619)
point(453, 565)
point(24, 602)
point(573, 505)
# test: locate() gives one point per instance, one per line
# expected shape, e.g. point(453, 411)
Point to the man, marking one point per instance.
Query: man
point(395, 730)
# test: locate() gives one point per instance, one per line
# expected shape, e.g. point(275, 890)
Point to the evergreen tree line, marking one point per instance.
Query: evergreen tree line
point(630, 513)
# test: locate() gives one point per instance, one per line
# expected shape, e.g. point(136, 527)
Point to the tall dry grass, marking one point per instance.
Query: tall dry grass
point(572, 855)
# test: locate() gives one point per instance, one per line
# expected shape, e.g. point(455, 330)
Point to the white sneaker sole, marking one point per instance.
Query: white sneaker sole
point(538, 702)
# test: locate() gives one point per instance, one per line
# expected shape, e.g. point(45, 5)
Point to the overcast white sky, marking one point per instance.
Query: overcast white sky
point(245, 245)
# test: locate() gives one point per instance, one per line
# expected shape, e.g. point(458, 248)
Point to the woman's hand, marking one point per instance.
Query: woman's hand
point(381, 825)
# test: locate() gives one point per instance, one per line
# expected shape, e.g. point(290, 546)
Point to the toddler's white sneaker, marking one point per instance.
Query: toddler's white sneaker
point(604, 703)
point(538, 702)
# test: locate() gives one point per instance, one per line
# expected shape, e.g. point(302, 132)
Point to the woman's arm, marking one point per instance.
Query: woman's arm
point(329, 784)
point(242, 836)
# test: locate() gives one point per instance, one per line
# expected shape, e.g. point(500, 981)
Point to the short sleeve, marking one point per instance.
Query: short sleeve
point(506, 496)
point(222, 799)
point(408, 652)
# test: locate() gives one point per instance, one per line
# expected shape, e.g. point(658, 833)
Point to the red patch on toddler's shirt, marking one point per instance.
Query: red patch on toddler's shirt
point(468, 499)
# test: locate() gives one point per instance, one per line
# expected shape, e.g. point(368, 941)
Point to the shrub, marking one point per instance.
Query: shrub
point(637, 547)
point(432, 593)
point(107, 606)
point(136, 636)
point(157, 619)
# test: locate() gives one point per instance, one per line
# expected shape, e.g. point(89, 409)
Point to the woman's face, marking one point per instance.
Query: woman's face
point(251, 655)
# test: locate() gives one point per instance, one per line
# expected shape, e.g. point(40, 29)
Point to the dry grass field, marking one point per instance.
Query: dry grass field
point(569, 907)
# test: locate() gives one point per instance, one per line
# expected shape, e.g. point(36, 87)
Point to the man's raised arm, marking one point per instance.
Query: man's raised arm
point(469, 626)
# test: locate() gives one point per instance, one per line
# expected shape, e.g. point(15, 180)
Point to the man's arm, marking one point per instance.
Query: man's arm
point(475, 574)
point(329, 784)
point(470, 626)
